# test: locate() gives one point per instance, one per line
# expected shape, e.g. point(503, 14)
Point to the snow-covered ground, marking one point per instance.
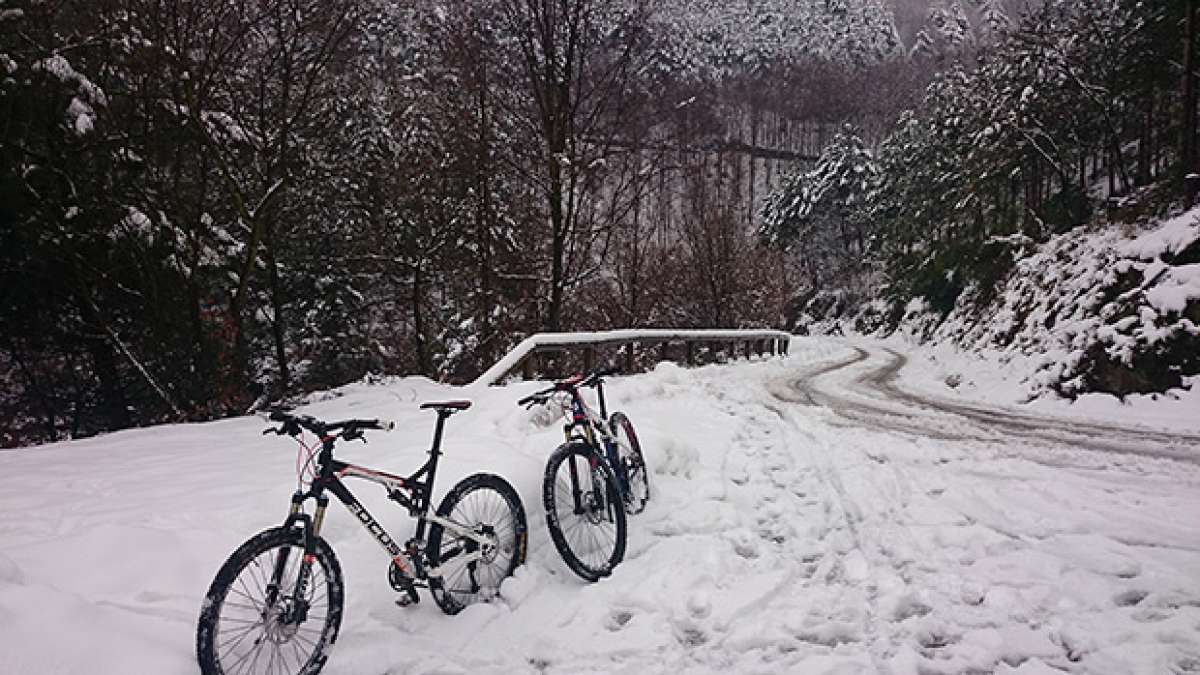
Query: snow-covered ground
point(944, 370)
point(1089, 310)
point(809, 516)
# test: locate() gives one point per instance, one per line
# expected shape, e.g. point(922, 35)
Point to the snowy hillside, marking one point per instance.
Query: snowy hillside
point(1096, 310)
point(809, 516)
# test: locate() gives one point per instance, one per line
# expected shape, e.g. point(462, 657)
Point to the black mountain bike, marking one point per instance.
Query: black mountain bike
point(593, 479)
point(275, 606)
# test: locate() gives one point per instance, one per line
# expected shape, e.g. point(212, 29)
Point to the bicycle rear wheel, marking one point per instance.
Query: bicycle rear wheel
point(253, 619)
point(629, 451)
point(584, 511)
point(485, 504)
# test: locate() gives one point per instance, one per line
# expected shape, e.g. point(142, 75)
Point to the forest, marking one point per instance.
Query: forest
point(210, 206)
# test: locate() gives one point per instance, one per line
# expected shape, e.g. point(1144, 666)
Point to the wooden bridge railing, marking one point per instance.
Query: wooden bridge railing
point(679, 345)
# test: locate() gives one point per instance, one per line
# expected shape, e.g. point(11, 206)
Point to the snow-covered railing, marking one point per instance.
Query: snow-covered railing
point(523, 355)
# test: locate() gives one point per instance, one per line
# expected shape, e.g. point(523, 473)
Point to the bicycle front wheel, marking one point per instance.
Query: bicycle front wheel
point(259, 617)
point(584, 511)
point(486, 505)
point(629, 451)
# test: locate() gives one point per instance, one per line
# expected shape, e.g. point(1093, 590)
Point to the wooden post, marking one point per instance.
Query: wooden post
point(731, 351)
point(589, 358)
point(691, 353)
point(628, 357)
point(527, 370)
point(664, 353)
point(771, 346)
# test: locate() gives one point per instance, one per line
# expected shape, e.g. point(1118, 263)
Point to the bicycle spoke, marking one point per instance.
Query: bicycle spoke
point(237, 638)
point(255, 638)
point(590, 535)
point(298, 654)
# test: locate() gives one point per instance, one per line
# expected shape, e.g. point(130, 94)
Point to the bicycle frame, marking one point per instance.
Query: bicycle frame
point(582, 415)
point(585, 418)
point(413, 492)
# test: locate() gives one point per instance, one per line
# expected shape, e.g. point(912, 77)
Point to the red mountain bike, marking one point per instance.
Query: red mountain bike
point(593, 479)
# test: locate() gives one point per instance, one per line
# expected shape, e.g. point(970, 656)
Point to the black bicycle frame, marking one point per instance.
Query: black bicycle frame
point(413, 493)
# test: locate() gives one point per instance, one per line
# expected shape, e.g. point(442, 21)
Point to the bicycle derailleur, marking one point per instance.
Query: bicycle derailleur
point(403, 582)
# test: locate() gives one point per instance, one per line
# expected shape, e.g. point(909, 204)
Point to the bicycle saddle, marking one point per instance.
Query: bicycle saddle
point(443, 406)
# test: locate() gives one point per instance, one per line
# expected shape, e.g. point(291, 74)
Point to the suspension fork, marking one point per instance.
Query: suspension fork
point(576, 491)
point(576, 495)
point(311, 527)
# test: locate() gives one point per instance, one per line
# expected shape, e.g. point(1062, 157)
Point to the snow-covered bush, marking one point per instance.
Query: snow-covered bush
point(1104, 312)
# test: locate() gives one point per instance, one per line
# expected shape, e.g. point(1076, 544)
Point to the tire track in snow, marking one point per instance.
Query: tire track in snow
point(800, 532)
point(861, 391)
point(873, 398)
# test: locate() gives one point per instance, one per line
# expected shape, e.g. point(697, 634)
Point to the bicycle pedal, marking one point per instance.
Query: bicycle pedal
point(408, 592)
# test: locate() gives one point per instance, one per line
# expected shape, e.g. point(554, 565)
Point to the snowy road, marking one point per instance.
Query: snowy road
point(809, 516)
point(862, 388)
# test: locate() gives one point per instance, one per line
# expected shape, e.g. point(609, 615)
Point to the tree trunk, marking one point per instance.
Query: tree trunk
point(418, 289)
point(483, 222)
point(1189, 97)
point(1142, 177)
point(277, 323)
point(554, 318)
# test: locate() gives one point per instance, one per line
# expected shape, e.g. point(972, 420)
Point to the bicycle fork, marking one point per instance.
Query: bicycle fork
point(295, 609)
point(595, 499)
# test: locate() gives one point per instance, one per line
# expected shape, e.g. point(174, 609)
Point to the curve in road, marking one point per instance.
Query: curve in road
point(862, 389)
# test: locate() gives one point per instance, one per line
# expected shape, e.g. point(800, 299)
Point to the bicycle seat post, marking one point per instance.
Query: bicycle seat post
point(436, 450)
point(600, 397)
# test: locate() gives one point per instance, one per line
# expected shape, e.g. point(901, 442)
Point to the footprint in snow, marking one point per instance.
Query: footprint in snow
point(691, 636)
point(908, 607)
point(831, 634)
point(935, 639)
point(1188, 664)
point(699, 605)
point(618, 619)
point(1130, 597)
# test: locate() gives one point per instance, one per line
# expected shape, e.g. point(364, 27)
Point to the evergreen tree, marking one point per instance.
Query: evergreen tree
point(818, 214)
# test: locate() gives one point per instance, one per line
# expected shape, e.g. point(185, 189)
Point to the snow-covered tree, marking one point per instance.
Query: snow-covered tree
point(818, 214)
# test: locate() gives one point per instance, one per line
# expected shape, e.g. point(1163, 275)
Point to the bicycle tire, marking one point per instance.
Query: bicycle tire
point(629, 452)
point(594, 522)
point(246, 573)
point(468, 504)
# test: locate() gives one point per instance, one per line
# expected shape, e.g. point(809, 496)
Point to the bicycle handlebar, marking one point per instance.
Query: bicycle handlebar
point(350, 429)
point(597, 376)
point(592, 379)
point(538, 397)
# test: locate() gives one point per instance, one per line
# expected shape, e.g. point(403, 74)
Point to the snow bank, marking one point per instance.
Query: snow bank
point(780, 539)
point(1092, 311)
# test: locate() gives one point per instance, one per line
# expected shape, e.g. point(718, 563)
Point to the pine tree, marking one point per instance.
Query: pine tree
point(818, 214)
